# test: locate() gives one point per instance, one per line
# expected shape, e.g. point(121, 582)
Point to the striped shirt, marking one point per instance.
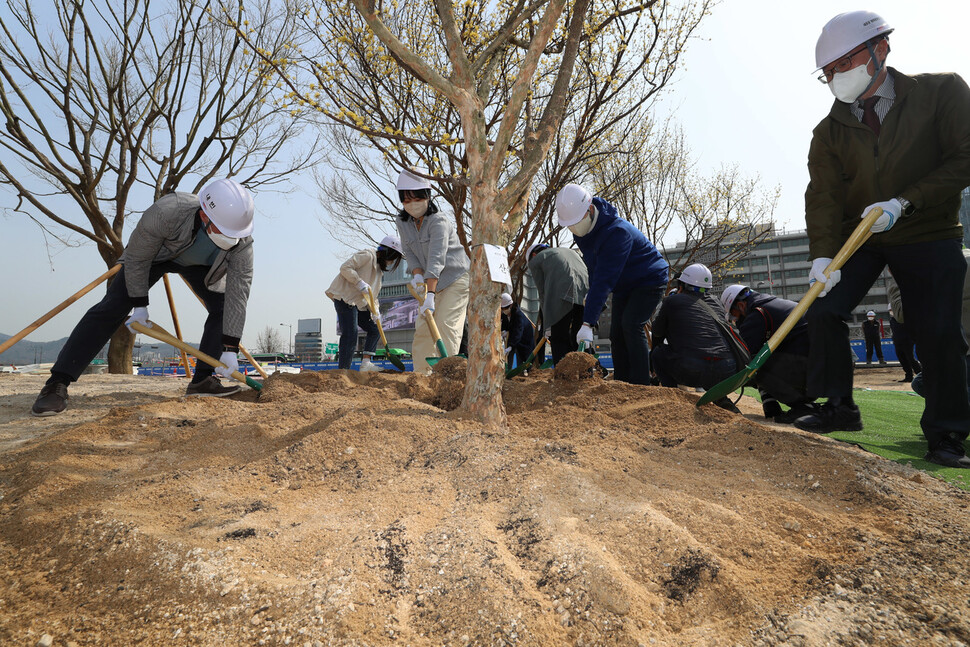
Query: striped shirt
point(886, 94)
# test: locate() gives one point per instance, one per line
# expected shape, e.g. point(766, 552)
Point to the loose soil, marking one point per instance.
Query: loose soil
point(345, 508)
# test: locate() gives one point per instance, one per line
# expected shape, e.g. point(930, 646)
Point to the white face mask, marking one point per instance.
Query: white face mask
point(584, 226)
point(849, 86)
point(416, 208)
point(222, 241)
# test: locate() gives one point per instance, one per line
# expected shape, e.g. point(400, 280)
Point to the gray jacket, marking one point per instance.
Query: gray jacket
point(561, 277)
point(435, 248)
point(166, 229)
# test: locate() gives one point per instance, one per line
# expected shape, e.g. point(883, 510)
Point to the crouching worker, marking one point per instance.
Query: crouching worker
point(784, 377)
point(206, 239)
point(562, 280)
point(359, 275)
point(519, 329)
point(697, 351)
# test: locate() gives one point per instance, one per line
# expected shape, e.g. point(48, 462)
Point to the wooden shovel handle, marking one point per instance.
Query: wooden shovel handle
point(432, 326)
point(373, 309)
point(50, 315)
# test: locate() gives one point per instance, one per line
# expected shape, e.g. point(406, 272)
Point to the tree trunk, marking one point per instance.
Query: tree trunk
point(119, 351)
point(486, 369)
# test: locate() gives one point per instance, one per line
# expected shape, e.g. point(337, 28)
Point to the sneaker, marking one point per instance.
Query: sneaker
point(796, 412)
point(211, 387)
point(369, 367)
point(948, 458)
point(51, 401)
point(828, 418)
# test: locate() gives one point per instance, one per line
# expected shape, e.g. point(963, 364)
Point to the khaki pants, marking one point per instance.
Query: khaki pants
point(450, 305)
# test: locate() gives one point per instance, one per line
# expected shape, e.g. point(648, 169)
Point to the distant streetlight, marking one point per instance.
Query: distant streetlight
point(289, 340)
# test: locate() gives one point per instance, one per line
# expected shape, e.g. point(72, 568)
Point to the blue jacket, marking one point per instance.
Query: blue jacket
point(619, 259)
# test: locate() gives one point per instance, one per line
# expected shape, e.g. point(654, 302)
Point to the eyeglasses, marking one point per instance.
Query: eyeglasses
point(842, 65)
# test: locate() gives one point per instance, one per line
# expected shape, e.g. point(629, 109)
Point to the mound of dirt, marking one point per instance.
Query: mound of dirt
point(448, 382)
point(345, 508)
point(576, 366)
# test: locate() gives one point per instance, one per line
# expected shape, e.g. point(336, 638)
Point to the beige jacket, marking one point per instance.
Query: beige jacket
point(362, 266)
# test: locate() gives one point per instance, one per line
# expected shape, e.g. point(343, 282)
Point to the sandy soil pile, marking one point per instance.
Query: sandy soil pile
point(343, 508)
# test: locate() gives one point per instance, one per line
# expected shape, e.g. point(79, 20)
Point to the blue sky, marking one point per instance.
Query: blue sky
point(746, 94)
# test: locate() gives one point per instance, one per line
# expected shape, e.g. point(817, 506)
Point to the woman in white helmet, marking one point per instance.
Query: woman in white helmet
point(900, 143)
point(439, 265)
point(360, 277)
point(207, 239)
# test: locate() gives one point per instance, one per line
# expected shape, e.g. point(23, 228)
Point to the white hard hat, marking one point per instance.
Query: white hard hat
point(845, 32)
point(572, 203)
point(506, 299)
point(730, 295)
point(409, 180)
point(871, 313)
point(230, 206)
point(394, 243)
point(697, 275)
point(532, 248)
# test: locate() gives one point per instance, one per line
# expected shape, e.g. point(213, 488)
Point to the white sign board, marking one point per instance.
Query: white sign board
point(498, 264)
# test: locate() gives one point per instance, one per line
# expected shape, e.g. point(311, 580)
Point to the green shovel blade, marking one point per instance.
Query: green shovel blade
point(394, 360)
point(253, 384)
point(737, 380)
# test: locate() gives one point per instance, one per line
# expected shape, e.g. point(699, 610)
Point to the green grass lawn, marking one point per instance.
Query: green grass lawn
point(892, 431)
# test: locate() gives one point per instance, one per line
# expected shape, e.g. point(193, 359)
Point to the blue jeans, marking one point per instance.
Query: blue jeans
point(349, 317)
point(628, 339)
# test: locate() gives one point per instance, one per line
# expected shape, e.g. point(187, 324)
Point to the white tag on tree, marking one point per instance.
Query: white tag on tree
point(498, 264)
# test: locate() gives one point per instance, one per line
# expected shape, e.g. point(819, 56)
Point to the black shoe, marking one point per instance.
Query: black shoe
point(51, 401)
point(727, 405)
point(908, 378)
point(211, 387)
point(828, 418)
point(771, 408)
point(796, 412)
point(948, 458)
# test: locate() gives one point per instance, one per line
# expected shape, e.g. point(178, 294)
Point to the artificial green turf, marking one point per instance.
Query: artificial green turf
point(892, 430)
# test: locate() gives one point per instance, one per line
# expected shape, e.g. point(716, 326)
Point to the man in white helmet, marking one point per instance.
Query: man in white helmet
point(691, 344)
point(360, 278)
point(900, 143)
point(783, 377)
point(562, 280)
point(620, 260)
point(207, 239)
point(871, 331)
point(439, 265)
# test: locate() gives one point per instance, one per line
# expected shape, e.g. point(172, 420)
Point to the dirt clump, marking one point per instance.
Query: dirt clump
point(448, 382)
point(576, 366)
point(345, 508)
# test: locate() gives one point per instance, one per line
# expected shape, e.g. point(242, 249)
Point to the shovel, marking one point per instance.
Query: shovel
point(433, 327)
point(521, 368)
point(730, 385)
point(396, 361)
point(587, 347)
point(161, 334)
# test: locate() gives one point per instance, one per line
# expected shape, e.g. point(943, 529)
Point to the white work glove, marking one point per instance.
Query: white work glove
point(508, 350)
point(428, 305)
point(891, 210)
point(585, 334)
point(231, 364)
point(418, 282)
point(376, 317)
point(363, 286)
point(140, 315)
point(818, 266)
point(547, 333)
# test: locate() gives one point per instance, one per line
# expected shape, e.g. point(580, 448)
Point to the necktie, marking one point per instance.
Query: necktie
point(869, 116)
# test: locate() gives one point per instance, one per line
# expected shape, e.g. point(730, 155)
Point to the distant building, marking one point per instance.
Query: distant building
point(308, 342)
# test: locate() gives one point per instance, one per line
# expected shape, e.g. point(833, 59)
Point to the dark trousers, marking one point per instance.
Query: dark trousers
point(674, 368)
point(103, 319)
point(563, 337)
point(930, 277)
point(784, 377)
point(873, 344)
point(349, 317)
point(903, 344)
point(631, 352)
